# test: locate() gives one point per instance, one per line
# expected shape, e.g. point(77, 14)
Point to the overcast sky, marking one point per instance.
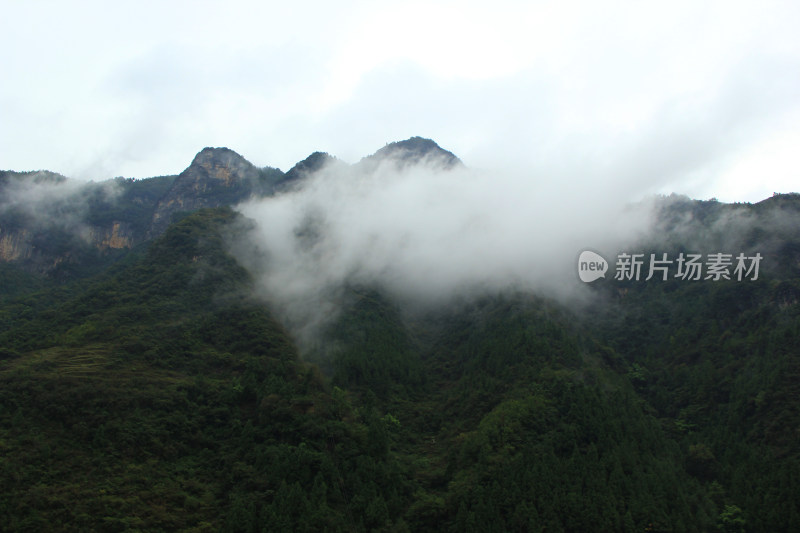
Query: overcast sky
point(701, 98)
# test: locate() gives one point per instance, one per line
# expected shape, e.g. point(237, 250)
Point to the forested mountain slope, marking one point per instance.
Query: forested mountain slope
point(157, 389)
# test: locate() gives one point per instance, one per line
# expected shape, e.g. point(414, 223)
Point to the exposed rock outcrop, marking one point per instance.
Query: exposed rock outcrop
point(119, 235)
point(216, 176)
point(15, 245)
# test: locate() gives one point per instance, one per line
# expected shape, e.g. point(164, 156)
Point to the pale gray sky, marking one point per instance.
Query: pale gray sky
point(701, 98)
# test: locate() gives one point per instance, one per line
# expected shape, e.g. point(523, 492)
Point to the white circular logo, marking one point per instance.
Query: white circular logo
point(591, 266)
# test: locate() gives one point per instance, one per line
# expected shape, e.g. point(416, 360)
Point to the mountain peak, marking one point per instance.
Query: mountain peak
point(216, 176)
point(309, 165)
point(413, 151)
point(221, 156)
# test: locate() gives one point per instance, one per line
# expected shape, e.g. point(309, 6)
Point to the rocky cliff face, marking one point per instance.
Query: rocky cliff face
point(22, 195)
point(118, 236)
point(43, 248)
point(48, 221)
point(217, 176)
point(15, 245)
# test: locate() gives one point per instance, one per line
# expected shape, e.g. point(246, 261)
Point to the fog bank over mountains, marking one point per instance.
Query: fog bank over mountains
point(411, 219)
point(429, 230)
point(416, 222)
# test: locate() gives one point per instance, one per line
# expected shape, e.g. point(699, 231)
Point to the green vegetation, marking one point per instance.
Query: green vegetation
point(131, 202)
point(157, 395)
point(718, 363)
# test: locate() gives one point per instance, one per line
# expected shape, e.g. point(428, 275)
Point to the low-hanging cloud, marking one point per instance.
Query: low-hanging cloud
point(43, 200)
point(426, 235)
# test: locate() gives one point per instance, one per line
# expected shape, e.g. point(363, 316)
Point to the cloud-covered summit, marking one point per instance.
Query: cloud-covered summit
point(411, 152)
point(416, 222)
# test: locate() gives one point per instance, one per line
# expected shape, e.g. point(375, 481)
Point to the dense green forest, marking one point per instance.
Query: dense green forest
point(158, 395)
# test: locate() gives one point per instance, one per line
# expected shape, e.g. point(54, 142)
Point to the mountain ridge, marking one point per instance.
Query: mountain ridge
point(107, 219)
point(133, 212)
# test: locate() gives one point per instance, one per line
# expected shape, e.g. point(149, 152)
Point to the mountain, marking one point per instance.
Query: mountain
point(308, 166)
point(150, 387)
point(410, 152)
point(67, 226)
point(59, 226)
point(216, 176)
